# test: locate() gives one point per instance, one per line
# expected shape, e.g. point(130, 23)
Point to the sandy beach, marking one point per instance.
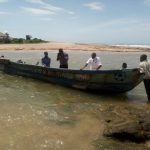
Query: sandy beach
point(73, 46)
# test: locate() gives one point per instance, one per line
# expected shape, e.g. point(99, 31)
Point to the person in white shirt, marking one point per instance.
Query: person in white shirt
point(94, 62)
point(145, 68)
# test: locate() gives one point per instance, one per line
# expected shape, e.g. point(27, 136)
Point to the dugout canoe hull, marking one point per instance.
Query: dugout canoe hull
point(103, 80)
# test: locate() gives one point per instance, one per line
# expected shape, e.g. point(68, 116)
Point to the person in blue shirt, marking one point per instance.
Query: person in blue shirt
point(46, 61)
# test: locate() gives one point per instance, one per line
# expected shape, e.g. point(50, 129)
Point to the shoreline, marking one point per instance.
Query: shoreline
point(72, 47)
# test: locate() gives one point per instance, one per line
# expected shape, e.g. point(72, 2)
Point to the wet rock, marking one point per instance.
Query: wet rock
point(127, 123)
point(110, 144)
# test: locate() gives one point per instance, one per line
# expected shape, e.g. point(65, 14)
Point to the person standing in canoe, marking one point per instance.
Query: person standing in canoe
point(94, 62)
point(124, 66)
point(145, 68)
point(46, 61)
point(62, 57)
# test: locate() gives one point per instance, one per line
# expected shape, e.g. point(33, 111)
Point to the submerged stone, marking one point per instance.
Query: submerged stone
point(127, 124)
point(110, 144)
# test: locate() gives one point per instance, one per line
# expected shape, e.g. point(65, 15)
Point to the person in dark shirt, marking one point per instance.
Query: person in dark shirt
point(124, 66)
point(62, 57)
point(46, 61)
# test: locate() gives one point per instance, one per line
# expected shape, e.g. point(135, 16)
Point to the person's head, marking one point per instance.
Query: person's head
point(93, 55)
point(143, 57)
point(45, 54)
point(124, 66)
point(61, 50)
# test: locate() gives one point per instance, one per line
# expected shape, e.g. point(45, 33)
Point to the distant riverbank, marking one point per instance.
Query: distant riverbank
point(74, 46)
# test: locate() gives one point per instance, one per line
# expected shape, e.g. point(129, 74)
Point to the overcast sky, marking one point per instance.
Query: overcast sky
point(84, 21)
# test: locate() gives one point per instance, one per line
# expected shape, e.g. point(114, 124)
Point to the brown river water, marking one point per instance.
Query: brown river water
point(35, 115)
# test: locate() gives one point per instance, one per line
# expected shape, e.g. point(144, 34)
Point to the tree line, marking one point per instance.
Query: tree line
point(6, 39)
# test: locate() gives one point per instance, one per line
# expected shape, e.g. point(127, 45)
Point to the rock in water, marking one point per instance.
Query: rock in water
point(127, 123)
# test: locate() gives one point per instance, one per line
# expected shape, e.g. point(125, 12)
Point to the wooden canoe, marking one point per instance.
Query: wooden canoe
point(102, 80)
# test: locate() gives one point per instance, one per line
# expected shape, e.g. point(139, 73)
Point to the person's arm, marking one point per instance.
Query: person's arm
point(84, 66)
point(99, 63)
point(99, 67)
point(49, 61)
point(37, 63)
point(58, 57)
point(42, 62)
point(66, 57)
point(141, 68)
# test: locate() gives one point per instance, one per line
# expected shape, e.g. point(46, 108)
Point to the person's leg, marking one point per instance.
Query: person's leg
point(147, 87)
point(64, 66)
point(61, 66)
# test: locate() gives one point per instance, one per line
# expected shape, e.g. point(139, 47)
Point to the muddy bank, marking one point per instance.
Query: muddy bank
point(72, 46)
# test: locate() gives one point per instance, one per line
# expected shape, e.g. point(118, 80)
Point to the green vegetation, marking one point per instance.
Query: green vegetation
point(21, 41)
point(6, 39)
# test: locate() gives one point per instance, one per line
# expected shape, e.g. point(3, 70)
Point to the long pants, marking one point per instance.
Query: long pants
point(147, 88)
point(64, 66)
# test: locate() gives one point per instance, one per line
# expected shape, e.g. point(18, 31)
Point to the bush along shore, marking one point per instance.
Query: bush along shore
point(6, 39)
point(21, 41)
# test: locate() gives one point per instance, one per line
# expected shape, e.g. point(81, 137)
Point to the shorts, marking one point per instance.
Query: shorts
point(64, 66)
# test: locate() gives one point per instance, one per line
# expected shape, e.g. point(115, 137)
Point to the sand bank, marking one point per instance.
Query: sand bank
point(73, 46)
